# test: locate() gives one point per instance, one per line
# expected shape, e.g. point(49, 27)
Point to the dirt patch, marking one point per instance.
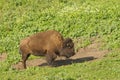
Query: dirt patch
point(89, 53)
point(3, 56)
point(91, 50)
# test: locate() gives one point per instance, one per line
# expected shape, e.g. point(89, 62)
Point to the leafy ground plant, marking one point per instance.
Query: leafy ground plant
point(79, 19)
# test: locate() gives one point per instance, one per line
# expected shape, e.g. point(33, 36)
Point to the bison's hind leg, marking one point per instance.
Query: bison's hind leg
point(24, 58)
point(25, 52)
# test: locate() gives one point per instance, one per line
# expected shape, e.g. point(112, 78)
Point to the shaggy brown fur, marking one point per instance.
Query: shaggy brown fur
point(50, 44)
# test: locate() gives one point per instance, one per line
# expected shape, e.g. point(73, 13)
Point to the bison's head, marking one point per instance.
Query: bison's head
point(68, 48)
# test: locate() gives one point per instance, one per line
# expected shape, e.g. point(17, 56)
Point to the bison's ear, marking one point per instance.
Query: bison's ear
point(66, 42)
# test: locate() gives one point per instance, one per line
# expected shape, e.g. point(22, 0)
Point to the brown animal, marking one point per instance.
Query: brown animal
point(50, 44)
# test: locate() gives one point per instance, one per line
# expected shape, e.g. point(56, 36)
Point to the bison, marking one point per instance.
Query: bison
point(49, 44)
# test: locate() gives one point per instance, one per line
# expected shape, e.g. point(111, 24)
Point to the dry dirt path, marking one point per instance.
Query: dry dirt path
point(89, 53)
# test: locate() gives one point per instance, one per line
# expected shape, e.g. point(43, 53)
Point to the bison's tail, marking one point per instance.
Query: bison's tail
point(20, 52)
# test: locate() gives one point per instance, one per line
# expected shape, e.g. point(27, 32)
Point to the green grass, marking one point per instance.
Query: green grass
point(81, 19)
point(106, 69)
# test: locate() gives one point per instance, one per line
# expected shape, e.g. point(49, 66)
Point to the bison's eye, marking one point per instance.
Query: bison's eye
point(68, 46)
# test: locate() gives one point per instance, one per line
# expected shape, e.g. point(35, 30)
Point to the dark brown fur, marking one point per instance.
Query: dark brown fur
point(50, 44)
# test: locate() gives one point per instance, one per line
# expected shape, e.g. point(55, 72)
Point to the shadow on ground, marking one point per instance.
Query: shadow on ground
point(58, 63)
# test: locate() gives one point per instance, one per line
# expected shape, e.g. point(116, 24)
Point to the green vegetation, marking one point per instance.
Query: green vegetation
point(81, 19)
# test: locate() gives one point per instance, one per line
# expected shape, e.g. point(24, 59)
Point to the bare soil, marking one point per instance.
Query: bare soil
point(89, 53)
point(3, 56)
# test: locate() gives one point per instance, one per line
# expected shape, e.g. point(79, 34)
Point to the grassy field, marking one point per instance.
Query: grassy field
point(81, 19)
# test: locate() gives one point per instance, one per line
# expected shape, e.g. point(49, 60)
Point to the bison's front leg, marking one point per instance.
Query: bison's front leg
point(50, 57)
